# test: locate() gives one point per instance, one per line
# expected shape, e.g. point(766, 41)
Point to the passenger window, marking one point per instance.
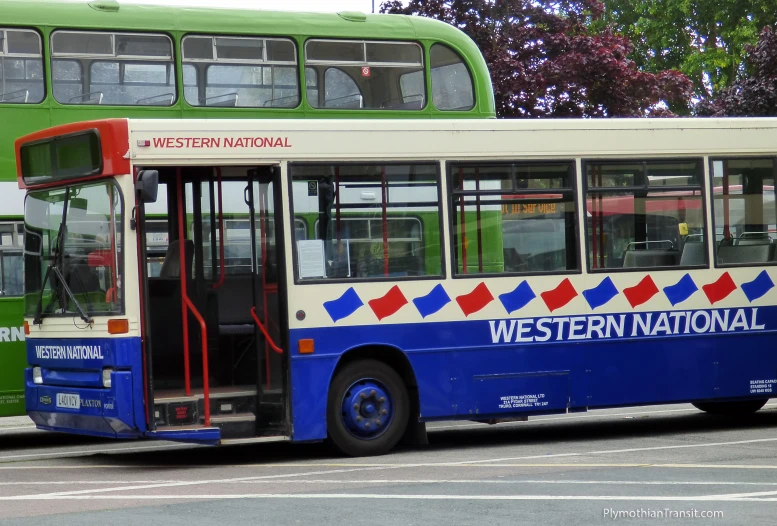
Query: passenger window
point(368, 74)
point(452, 88)
point(513, 218)
point(125, 69)
point(11, 261)
point(341, 90)
point(21, 67)
point(371, 221)
point(743, 210)
point(645, 214)
point(311, 87)
point(240, 72)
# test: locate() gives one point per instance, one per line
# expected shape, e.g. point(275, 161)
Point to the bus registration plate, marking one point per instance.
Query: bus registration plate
point(68, 401)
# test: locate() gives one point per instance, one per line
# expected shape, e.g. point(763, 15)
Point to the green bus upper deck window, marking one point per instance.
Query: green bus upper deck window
point(240, 72)
point(452, 87)
point(364, 75)
point(21, 67)
point(125, 69)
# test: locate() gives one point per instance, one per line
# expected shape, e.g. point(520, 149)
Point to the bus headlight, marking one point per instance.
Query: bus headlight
point(37, 375)
point(107, 378)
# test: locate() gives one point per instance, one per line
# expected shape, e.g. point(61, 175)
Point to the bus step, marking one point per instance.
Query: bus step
point(242, 425)
point(173, 408)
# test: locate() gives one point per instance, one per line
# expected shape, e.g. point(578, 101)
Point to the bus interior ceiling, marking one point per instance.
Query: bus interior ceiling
point(230, 294)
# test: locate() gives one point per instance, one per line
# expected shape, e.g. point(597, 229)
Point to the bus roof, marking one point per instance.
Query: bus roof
point(89, 15)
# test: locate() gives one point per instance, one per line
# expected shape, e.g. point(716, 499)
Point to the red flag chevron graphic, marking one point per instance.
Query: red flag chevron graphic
point(720, 289)
point(641, 292)
point(560, 296)
point(475, 300)
point(388, 304)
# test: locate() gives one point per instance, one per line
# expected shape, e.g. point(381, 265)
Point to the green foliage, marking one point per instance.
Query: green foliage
point(705, 39)
point(754, 94)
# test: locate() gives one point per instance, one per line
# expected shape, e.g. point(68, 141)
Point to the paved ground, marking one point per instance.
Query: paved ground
point(575, 469)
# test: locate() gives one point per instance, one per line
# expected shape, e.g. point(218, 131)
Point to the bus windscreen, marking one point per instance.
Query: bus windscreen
point(66, 157)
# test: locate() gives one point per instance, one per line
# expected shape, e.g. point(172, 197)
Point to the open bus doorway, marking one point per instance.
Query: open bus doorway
point(215, 324)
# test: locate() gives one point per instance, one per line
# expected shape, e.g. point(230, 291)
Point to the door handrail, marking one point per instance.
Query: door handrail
point(262, 328)
point(222, 272)
point(187, 306)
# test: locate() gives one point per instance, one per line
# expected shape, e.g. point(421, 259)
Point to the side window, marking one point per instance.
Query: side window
point(513, 218)
point(240, 72)
point(452, 87)
point(21, 67)
point(11, 259)
point(644, 214)
point(375, 69)
point(371, 221)
point(341, 91)
point(123, 69)
point(743, 210)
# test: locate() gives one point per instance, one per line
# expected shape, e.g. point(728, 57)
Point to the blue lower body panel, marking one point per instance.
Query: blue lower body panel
point(467, 370)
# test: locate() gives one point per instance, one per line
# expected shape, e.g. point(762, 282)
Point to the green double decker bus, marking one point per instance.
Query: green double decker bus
point(68, 62)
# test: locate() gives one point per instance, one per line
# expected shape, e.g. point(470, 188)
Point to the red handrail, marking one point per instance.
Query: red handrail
point(222, 274)
point(186, 306)
point(264, 331)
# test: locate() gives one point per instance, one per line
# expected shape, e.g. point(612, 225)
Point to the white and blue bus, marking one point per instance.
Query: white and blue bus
point(220, 281)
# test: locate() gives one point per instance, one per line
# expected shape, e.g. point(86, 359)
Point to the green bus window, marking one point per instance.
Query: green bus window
point(341, 90)
point(514, 217)
point(374, 68)
point(645, 214)
point(21, 67)
point(744, 211)
point(311, 87)
point(124, 69)
point(240, 72)
point(452, 87)
point(371, 221)
point(11, 261)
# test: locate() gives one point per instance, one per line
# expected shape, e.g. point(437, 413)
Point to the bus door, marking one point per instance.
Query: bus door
point(269, 301)
point(216, 324)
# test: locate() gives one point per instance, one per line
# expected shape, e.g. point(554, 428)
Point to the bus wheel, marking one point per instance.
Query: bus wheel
point(730, 408)
point(368, 408)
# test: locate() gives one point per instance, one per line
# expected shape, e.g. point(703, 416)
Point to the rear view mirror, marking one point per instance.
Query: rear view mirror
point(147, 186)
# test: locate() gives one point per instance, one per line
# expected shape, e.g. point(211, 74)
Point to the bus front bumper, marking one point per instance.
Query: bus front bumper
point(106, 412)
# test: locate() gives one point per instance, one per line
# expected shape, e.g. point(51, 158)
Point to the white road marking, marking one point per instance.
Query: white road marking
point(30, 427)
point(89, 452)
point(204, 482)
point(406, 481)
point(371, 496)
point(614, 451)
point(749, 495)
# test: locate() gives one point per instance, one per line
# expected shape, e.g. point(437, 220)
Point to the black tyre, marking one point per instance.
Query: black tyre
point(368, 408)
point(745, 407)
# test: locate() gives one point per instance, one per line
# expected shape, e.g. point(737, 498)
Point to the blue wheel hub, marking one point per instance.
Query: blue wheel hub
point(367, 409)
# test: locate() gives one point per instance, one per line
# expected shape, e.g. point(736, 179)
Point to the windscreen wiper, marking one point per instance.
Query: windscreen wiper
point(56, 266)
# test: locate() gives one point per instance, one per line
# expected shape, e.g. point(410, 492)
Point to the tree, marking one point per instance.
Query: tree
point(705, 39)
point(754, 94)
point(544, 62)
